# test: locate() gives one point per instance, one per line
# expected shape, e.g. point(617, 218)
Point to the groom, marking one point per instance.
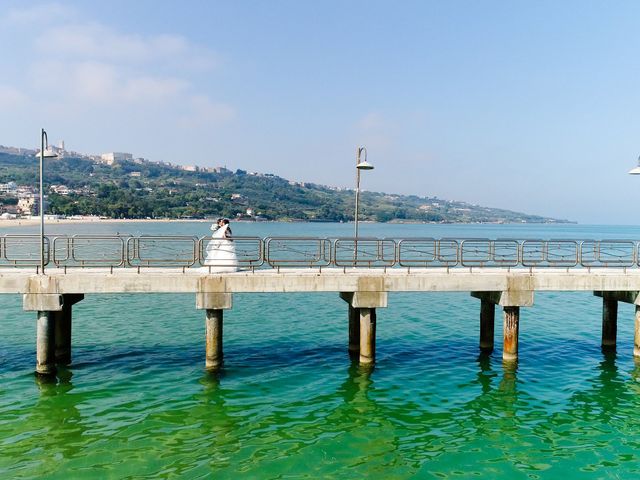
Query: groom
point(218, 224)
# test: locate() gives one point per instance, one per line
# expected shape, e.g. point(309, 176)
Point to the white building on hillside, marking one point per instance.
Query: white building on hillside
point(112, 157)
point(9, 188)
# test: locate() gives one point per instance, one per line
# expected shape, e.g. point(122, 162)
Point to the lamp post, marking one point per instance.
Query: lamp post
point(44, 152)
point(360, 165)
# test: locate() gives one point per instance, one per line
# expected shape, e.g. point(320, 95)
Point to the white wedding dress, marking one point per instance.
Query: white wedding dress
point(221, 252)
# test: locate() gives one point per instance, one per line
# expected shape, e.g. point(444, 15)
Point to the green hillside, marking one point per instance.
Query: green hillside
point(131, 189)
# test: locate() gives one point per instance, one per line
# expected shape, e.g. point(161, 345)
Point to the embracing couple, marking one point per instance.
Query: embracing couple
point(221, 251)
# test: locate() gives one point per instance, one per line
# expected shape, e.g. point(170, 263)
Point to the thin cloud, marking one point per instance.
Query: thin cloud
point(101, 83)
point(374, 131)
point(97, 42)
point(200, 110)
point(37, 15)
point(86, 64)
point(11, 97)
point(371, 121)
point(130, 84)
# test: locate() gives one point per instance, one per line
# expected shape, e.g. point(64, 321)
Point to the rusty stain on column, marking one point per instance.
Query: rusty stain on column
point(487, 322)
point(609, 322)
point(510, 332)
point(213, 333)
point(367, 336)
point(45, 344)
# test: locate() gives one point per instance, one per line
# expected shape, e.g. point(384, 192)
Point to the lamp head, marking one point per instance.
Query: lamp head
point(364, 165)
point(635, 170)
point(47, 153)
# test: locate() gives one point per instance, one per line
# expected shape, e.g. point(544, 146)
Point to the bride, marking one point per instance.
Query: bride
point(221, 252)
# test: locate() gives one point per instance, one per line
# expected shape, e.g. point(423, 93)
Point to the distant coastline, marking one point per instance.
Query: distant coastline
point(142, 189)
point(25, 222)
point(87, 220)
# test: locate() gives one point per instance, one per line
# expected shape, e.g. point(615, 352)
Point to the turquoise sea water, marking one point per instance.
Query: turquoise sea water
point(137, 403)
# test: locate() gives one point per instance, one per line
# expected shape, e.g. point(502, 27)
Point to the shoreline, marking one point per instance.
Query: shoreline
point(25, 222)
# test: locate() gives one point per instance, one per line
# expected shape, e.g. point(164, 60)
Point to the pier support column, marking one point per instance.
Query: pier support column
point(510, 301)
point(511, 328)
point(610, 301)
point(45, 343)
point(214, 305)
point(487, 325)
point(63, 328)
point(609, 322)
point(362, 323)
point(354, 330)
point(213, 339)
point(46, 304)
point(367, 336)
point(636, 336)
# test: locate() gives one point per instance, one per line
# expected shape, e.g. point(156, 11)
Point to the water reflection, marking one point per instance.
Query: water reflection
point(219, 428)
point(366, 436)
point(55, 421)
point(507, 389)
point(356, 384)
point(635, 376)
point(485, 374)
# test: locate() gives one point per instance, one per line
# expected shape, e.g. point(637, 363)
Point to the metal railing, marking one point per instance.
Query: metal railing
point(297, 252)
point(89, 251)
point(127, 251)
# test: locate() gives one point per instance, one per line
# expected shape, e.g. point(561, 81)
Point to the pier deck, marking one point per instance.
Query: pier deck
point(194, 280)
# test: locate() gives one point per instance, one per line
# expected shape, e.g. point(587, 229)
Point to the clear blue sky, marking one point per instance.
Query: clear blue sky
point(531, 106)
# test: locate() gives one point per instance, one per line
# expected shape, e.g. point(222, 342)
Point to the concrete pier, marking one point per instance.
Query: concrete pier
point(62, 338)
point(510, 301)
point(213, 339)
point(610, 301)
point(487, 326)
point(354, 330)
point(636, 336)
point(511, 329)
point(609, 322)
point(214, 305)
point(63, 326)
point(46, 306)
point(362, 321)
point(364, 289)
point(45, 344)
point(367, 336)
